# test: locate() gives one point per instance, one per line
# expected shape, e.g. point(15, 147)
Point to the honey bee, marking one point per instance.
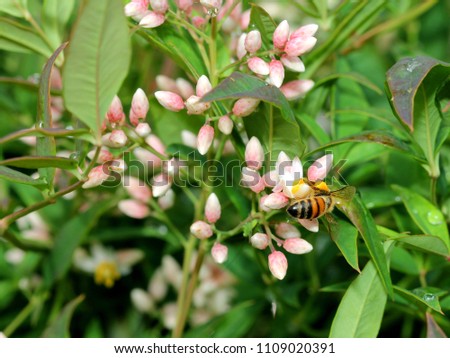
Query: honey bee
point(321, 202)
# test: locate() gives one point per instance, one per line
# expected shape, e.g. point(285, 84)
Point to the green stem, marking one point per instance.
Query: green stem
point(47, 132)
point(213, 52)
point(20, 318)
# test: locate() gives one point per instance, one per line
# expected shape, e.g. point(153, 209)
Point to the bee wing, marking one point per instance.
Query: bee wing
point(344, 194)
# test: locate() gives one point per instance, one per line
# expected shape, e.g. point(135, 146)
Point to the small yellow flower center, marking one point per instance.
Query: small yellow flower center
point(323, 186)
point(297, 186)
point(106, 273)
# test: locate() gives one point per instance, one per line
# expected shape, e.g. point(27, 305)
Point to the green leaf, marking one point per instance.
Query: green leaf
point(32, 162)
point(360, 216)
point(421, 297)
point(97, 61)
point(378, 197)
point(240, 85)
point(345, 236)
point(313, 127)
point(55, 14)
point(59, 328)
point(403, 261)
point(18, 177)
point(429, 218)
point(68, 238)
point(427, 243)
point(361, 309)
point(262, 21)
point(433, 329)
point(355, 77)
point(16, 8)
point(46, 146)
point(23, 36)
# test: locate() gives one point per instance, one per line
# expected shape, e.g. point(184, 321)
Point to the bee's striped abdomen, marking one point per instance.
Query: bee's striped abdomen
point(311, 208)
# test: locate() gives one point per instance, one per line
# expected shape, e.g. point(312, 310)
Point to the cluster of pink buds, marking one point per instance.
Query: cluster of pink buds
point(139, 11)
point(205, 229)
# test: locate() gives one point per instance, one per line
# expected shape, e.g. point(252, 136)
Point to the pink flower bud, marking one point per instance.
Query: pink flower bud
point(253, 41)
point(258, 66)
point(250, 178)
point(154, 142)
point(203, 86)
point(118, 165)
point(228, 25)
point(198, 21)
point(293, 63)
point(278, 264)
point(240, 49)
point(211, 4)
point(139, 104)
point(259, 186)
point(320, 168)
point(276, 201)
point(165, 83)
point(219, 253)
point(184, 5)
point(104, 156)
point(184, 88)
point(225, 125)
point(297, 246)
point(281, 35)
point(287, 231)
point(134, 208)
point(195, 106)
point(115, 112)
point(134, 119)
point(298, 46)
point(261, 203)
point(117, 139)
point(152, 20)
point(212, 208)
point(305, 31)
point(96, 176)
point(296, 89)
point(201, 230)
point(188, 138)
point(160, 6)
point(311, 225)
point(205, 138)
point(276, 75)
point(161, 183)
point(136, 9)
point(166, 201)
point(137, 189)
point(254, 153)
point(270, 179)
point(169, 100)
point(143, 129)
point(260, 241)
point(245, 106)
point(245, 19)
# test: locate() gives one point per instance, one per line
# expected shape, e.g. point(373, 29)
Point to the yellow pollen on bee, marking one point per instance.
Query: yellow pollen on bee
point(323, 186)
point(297, 186)
point(106, 273)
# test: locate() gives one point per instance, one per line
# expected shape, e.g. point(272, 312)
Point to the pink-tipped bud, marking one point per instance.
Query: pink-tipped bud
point(244, 21)
point(170, 100)
point(133, 208)
point(96, 177)
point(251, 179)
point(137, 189)
point(276, 75)
point(201, 230)
point(203, 86)
point(254, 154)
point(188, 138)
point(139, 104)
point(115, 112)
point(270, 178)
point(278, 264)
point(118, 165)
point(253, 41)
point(296, 89)
point(261, 204)
point(240, 48)
point(205, 138)
point(143, 130)
point(320, 168)
point(297, 246)
point(195, 106)
point(136, 9)
point(219, 253)
point(281, 35)
point(311, 225)
point(184, 5)
point(104, 156)
point(211, 4)
point(212, 208)
point(198, 21)
point(160, 6)
point(299, 45)
point(305, 31)
point(184, 88)
point(165, 83)
point(152, 20)
point(258, 66)
point(116, 139)
point(161, 183)
point(259, 187)
point(287, 231)
point(166, 201)
point(259, 241)
point(276, 201)
point(225, 125)
point(293, 63)
point(245, 106)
